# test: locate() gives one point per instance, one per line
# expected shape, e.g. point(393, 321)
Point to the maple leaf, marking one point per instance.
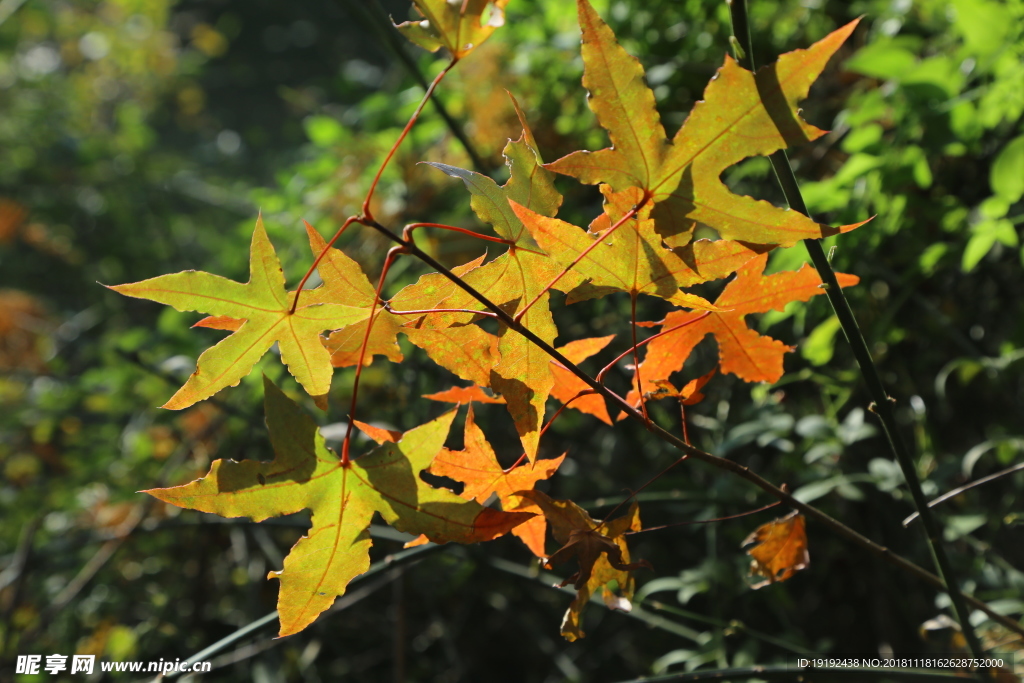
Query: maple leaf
point(457, 25)
point(599, 548)
point(343, 280)
point(522, 374)
point(464, 349)
point(742, 351)
point(742, 115)
point(265, 307)
point(306, 475)
point(468, 351)
point(632, 259)
point(464, 395)
point(450, 340)
point(477, 467)
point(567, 385)
point(781, 549)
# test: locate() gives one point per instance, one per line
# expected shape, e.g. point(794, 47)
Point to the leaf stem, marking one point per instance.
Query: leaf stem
point(869, 371)
point(636, 355)
point(554, 417)
point(735, 468)
point(600, 375)
point(634, 494)
point(319, 257)
point(393, 252)
point(407, 232)
point(366, 11)
point(405, 131)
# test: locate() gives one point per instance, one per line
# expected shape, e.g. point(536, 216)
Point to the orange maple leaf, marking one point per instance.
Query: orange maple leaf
point(464, 395)
point(477, 467)
point(568, 386)
point(781, 549)
point(742, 351)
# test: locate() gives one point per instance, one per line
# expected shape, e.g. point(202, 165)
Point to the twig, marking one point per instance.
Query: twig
point(691, 522)
point(882, 401)
point(967, 487)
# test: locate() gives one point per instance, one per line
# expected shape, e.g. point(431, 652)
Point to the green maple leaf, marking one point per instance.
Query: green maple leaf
point(742, 115)
point(259, 312)
point(306, 475)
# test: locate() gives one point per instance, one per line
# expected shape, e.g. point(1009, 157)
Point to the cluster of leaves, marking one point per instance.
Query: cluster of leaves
point(78, 435)
point(657, 191)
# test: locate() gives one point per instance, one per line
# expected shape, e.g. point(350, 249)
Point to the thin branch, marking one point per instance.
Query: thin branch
point(551, 581)
point(705, 521)
point(882, 401)
point(735, 468)
point(733, 625)
point(123, 532)
point(967, 487)
point(14, 576)
point(425, 311)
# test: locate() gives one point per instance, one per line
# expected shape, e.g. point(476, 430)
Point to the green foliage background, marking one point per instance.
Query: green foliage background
point(139, 137)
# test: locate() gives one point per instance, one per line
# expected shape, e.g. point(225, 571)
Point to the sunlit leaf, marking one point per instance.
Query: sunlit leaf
point(306, 475)
point(780, 550)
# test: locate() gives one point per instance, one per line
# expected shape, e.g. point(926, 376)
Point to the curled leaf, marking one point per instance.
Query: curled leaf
point(600, 550)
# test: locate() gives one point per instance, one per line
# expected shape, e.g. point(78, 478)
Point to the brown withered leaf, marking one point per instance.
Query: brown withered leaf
point(601, 551)
point(781, 549)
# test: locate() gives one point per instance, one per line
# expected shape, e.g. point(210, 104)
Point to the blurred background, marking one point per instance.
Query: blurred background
point(141, 137)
